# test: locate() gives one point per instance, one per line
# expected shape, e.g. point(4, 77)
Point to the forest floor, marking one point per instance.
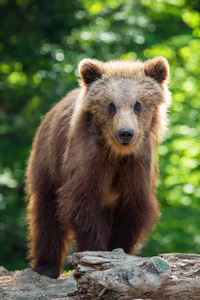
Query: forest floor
point(27, 284)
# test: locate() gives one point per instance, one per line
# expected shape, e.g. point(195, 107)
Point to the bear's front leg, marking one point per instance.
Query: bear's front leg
point(89, 229)
point(136, 211)
point(85, 216)
point(47, 245)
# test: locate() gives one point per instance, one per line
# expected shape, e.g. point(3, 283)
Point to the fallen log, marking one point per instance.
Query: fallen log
point(116, 275)
point(110, 275)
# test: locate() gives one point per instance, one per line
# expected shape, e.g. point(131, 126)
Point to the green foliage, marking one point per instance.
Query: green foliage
point(41, 44)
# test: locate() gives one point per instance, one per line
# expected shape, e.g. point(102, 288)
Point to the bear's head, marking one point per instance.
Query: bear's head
point(124, 99)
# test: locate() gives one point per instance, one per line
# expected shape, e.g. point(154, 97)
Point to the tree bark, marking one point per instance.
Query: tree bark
point(116, 275)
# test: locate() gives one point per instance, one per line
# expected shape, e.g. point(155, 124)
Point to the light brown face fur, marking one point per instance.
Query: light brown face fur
point(123, 99)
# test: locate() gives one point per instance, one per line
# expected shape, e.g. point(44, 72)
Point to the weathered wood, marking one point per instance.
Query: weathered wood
point(28, 285)
point(110, 275)
point(116, 275)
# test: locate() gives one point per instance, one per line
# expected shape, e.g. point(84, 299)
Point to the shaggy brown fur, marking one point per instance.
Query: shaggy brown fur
point(92, 168)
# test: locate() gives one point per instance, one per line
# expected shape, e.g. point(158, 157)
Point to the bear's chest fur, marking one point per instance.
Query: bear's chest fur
point(109, 197)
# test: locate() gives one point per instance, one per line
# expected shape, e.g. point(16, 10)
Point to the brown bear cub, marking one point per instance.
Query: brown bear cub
point(92, 170)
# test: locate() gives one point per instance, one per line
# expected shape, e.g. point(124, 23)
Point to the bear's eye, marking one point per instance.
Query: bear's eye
point(112, 108)
point(137, 107)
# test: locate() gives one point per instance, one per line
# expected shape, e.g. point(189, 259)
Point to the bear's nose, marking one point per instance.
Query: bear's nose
point(125, 135)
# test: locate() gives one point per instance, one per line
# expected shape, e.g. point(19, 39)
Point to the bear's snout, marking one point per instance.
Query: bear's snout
point(125, 136)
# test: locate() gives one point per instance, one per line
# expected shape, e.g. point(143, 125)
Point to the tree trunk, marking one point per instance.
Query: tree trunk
point(116, 275)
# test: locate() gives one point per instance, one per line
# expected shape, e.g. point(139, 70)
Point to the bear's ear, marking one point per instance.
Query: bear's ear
point(158, 69)
point(90, 70)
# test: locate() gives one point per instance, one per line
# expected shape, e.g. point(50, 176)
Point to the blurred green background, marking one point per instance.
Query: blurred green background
point(41, 44)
